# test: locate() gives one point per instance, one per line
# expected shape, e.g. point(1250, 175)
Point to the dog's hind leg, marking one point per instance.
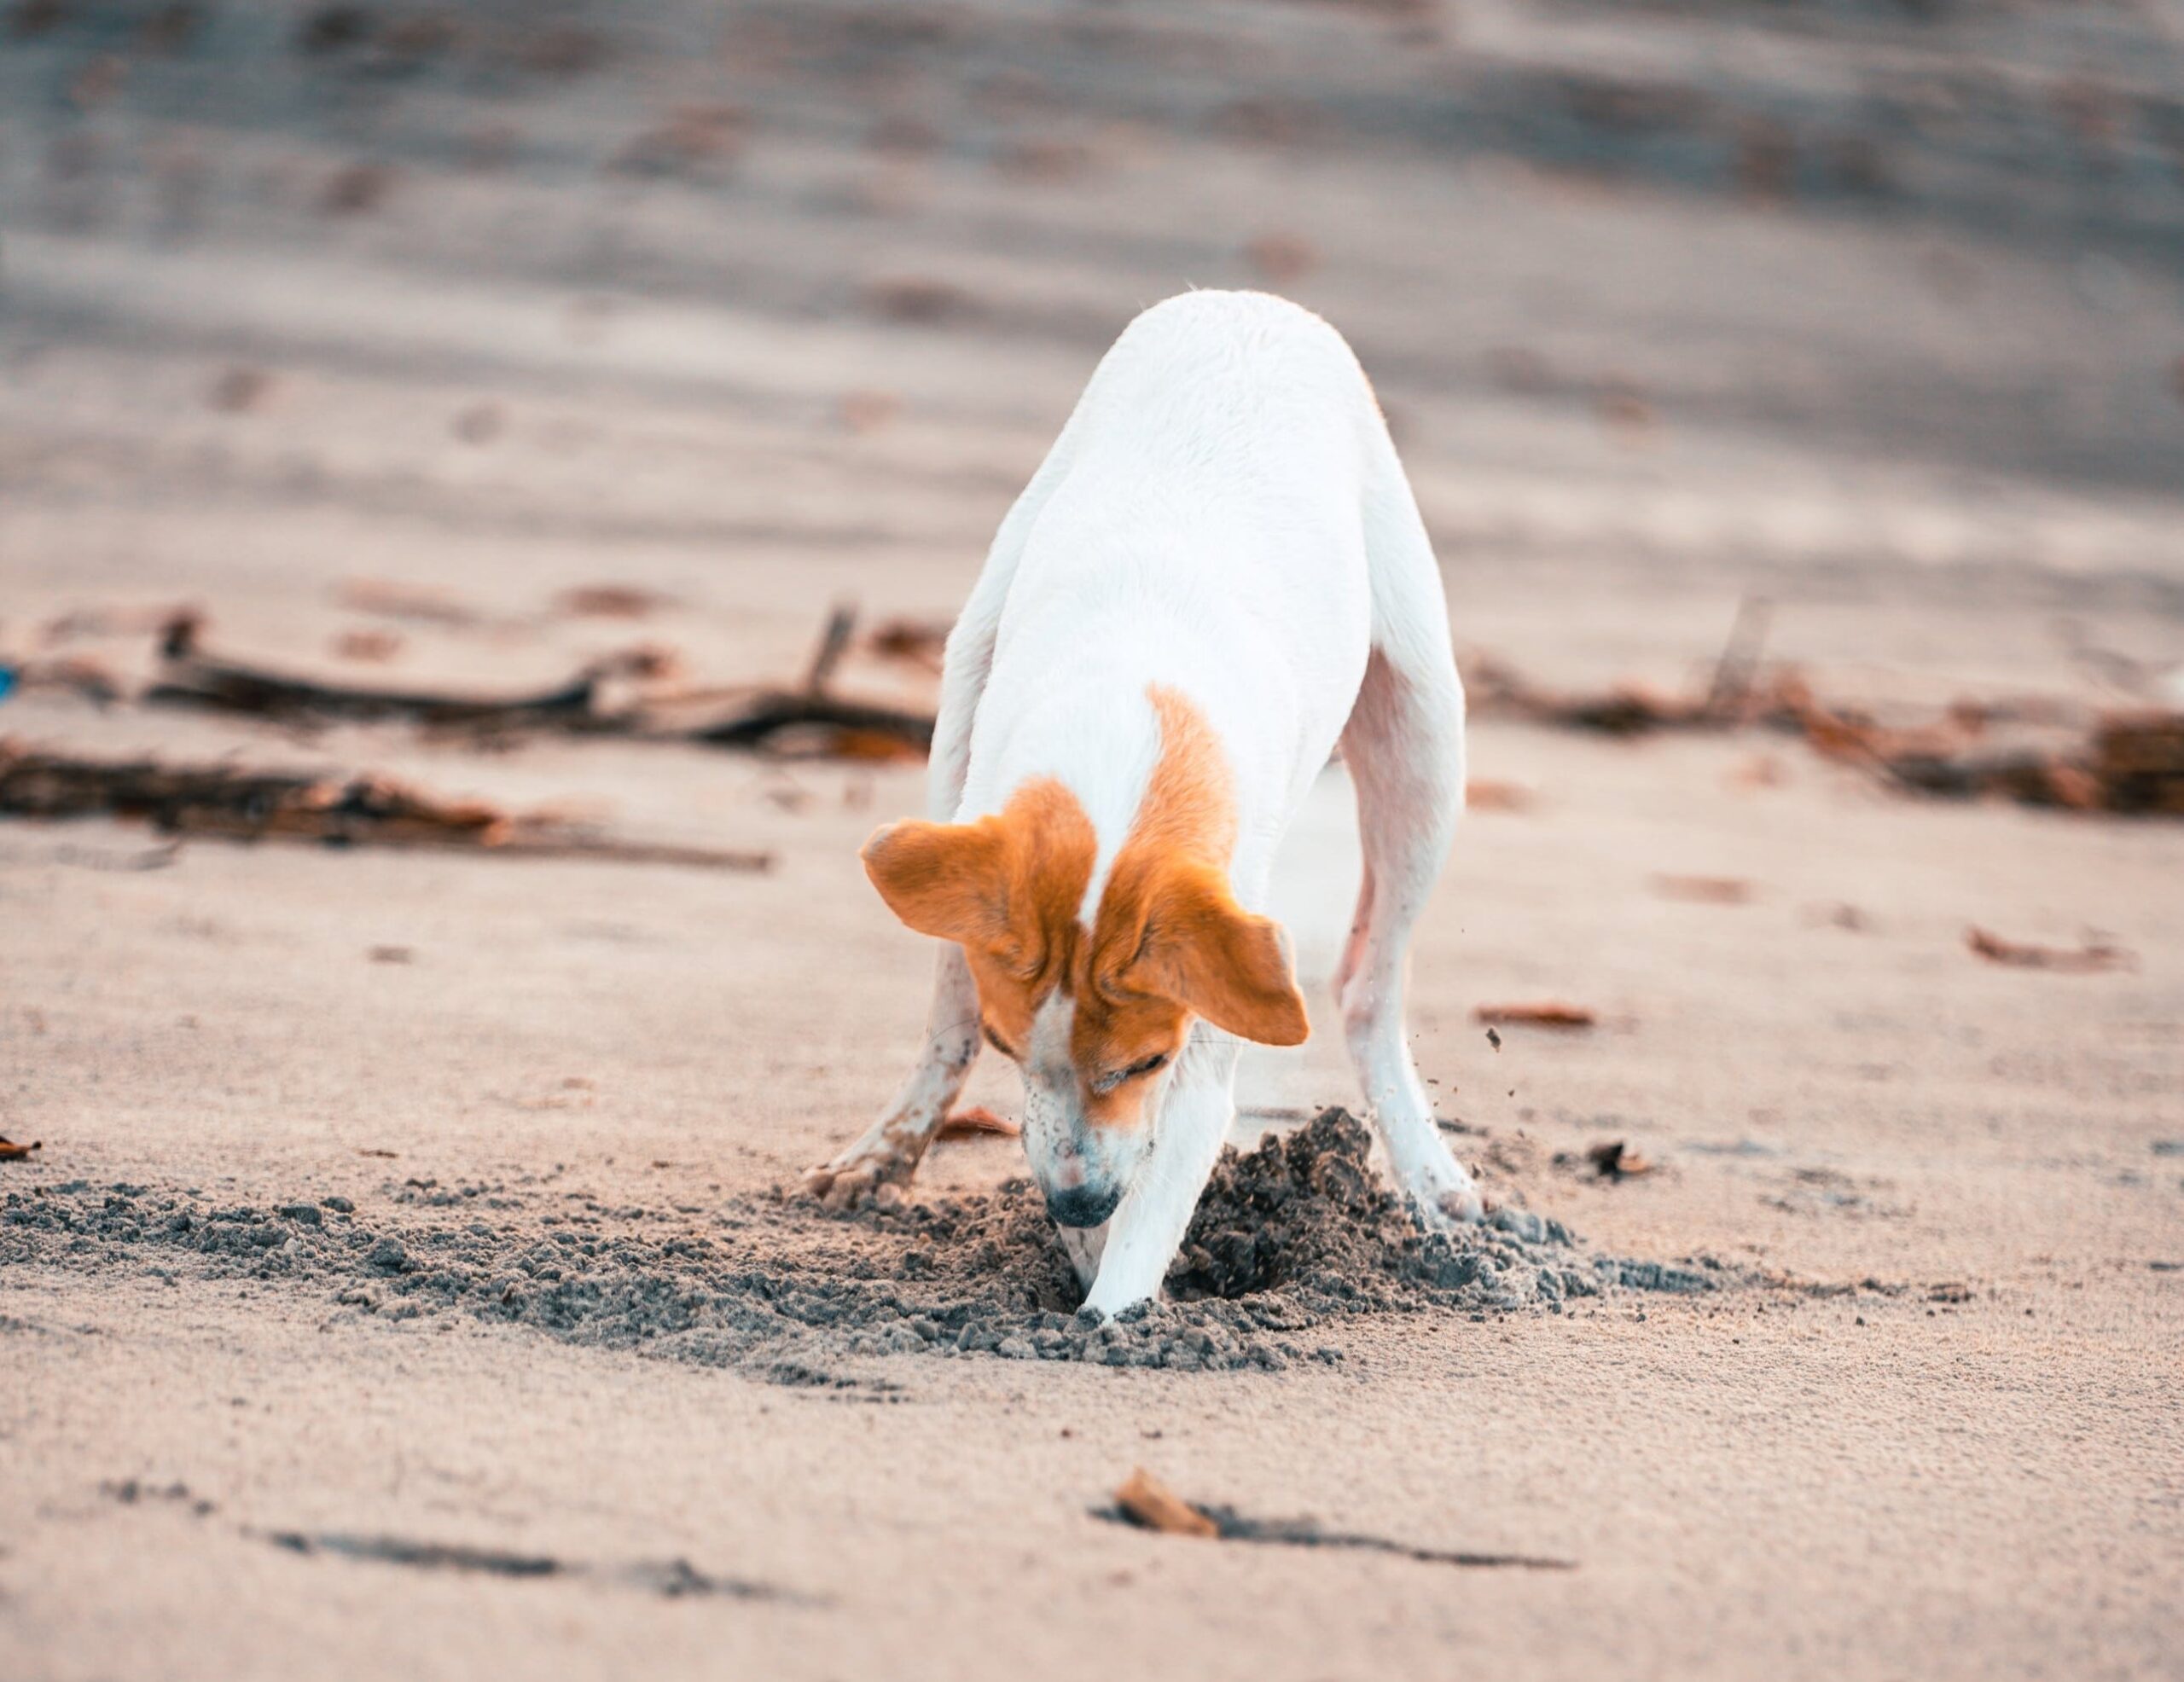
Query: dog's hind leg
point(1404, 749)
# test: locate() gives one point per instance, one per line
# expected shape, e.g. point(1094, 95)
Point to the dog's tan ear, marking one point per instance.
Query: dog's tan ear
point(950, 880)
point(1008, 885)
point(1202, 949)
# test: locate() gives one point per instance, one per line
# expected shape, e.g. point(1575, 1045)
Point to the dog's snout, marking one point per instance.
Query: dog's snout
point(1084, 1205)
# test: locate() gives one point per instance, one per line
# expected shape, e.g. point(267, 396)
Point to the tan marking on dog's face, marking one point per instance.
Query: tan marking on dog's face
point(1168, 942)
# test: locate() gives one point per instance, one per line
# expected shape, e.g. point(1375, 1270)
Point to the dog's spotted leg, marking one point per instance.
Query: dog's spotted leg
point(1148, 1228)
point(888, 1152)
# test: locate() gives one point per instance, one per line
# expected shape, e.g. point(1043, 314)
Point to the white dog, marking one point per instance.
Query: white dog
point(1218, 574)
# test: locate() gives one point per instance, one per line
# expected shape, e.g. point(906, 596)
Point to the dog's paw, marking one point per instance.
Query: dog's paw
point(1462, 1206)
point(860, 1175)
point(1447, 1204)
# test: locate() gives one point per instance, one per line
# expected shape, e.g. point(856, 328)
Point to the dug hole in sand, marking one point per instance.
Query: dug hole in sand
point(1290, 1239)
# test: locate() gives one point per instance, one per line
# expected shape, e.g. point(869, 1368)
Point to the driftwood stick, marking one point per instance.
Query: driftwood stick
point(767, 714)
point(1737, 669)
point(834, 643)
point(192, 678)
point(222, 801)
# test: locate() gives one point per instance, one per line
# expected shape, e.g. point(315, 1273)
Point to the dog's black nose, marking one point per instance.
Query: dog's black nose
point(1081, 1205)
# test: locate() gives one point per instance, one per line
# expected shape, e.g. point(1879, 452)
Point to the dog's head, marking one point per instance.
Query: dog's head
point(1096, 1014)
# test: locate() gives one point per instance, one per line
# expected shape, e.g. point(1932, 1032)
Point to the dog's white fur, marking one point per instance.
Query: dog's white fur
point(1224, 514)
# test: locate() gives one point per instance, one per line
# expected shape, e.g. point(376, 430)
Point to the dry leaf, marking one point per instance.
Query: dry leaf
point(421, 602)
point(1544, 1013)
point(609, 601)
point(375, 647)
point(11, 1152)
point(1482, 794)
point(971, 1122)
point(1281, 258)
point(920, 641)
point(479, 422)
point(1704, 890)
point(357, 188)
point(916, 298)
point(2095, 955)
point(867, 411)
point(240, 389)
point(1147, 1502)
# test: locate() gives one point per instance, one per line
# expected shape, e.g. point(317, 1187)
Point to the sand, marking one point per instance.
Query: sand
point(403, 1286)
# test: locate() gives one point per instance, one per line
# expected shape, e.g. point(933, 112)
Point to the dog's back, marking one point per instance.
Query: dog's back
point(1199, 524)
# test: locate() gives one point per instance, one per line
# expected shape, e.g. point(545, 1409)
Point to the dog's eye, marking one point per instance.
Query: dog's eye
point(996, 1041)
point(1144, 1065)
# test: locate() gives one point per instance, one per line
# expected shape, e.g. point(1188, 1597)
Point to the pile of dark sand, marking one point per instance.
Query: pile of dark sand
point(1290, 1239)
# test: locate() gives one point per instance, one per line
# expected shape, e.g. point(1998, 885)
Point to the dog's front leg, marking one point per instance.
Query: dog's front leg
point(1148, 1226)
point(889, 1150)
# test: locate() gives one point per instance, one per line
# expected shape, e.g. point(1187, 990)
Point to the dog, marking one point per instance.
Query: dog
point(1217, 576)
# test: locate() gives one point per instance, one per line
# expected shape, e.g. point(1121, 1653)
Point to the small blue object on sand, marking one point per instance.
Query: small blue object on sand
point(7, 681)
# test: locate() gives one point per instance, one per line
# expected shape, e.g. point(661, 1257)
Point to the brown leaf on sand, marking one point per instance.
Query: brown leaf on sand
point(2094, 956)
point(1482, 794)
point(917, 298)
point(609, 601)
point(919, 642)
point(424, 603)
point(355, 189)
point(375, 647)
point(240, 389)
point(1704, 890)
point(1282, 256)
point(1151, 1503)
point(11, 1152)
point(868, 411)
point(975, 1122)
point(1542, 1014)
point(1614, 1160)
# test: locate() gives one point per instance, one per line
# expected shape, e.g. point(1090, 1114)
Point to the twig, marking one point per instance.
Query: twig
point(1735, 671)
point(834, 643)
point(191, 677)
point(222, 801)
point(2090, 958)
point(768, 714)
point(1143, 1501)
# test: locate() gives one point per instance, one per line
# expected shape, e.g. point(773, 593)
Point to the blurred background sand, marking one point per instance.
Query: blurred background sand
point(1871, 310)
